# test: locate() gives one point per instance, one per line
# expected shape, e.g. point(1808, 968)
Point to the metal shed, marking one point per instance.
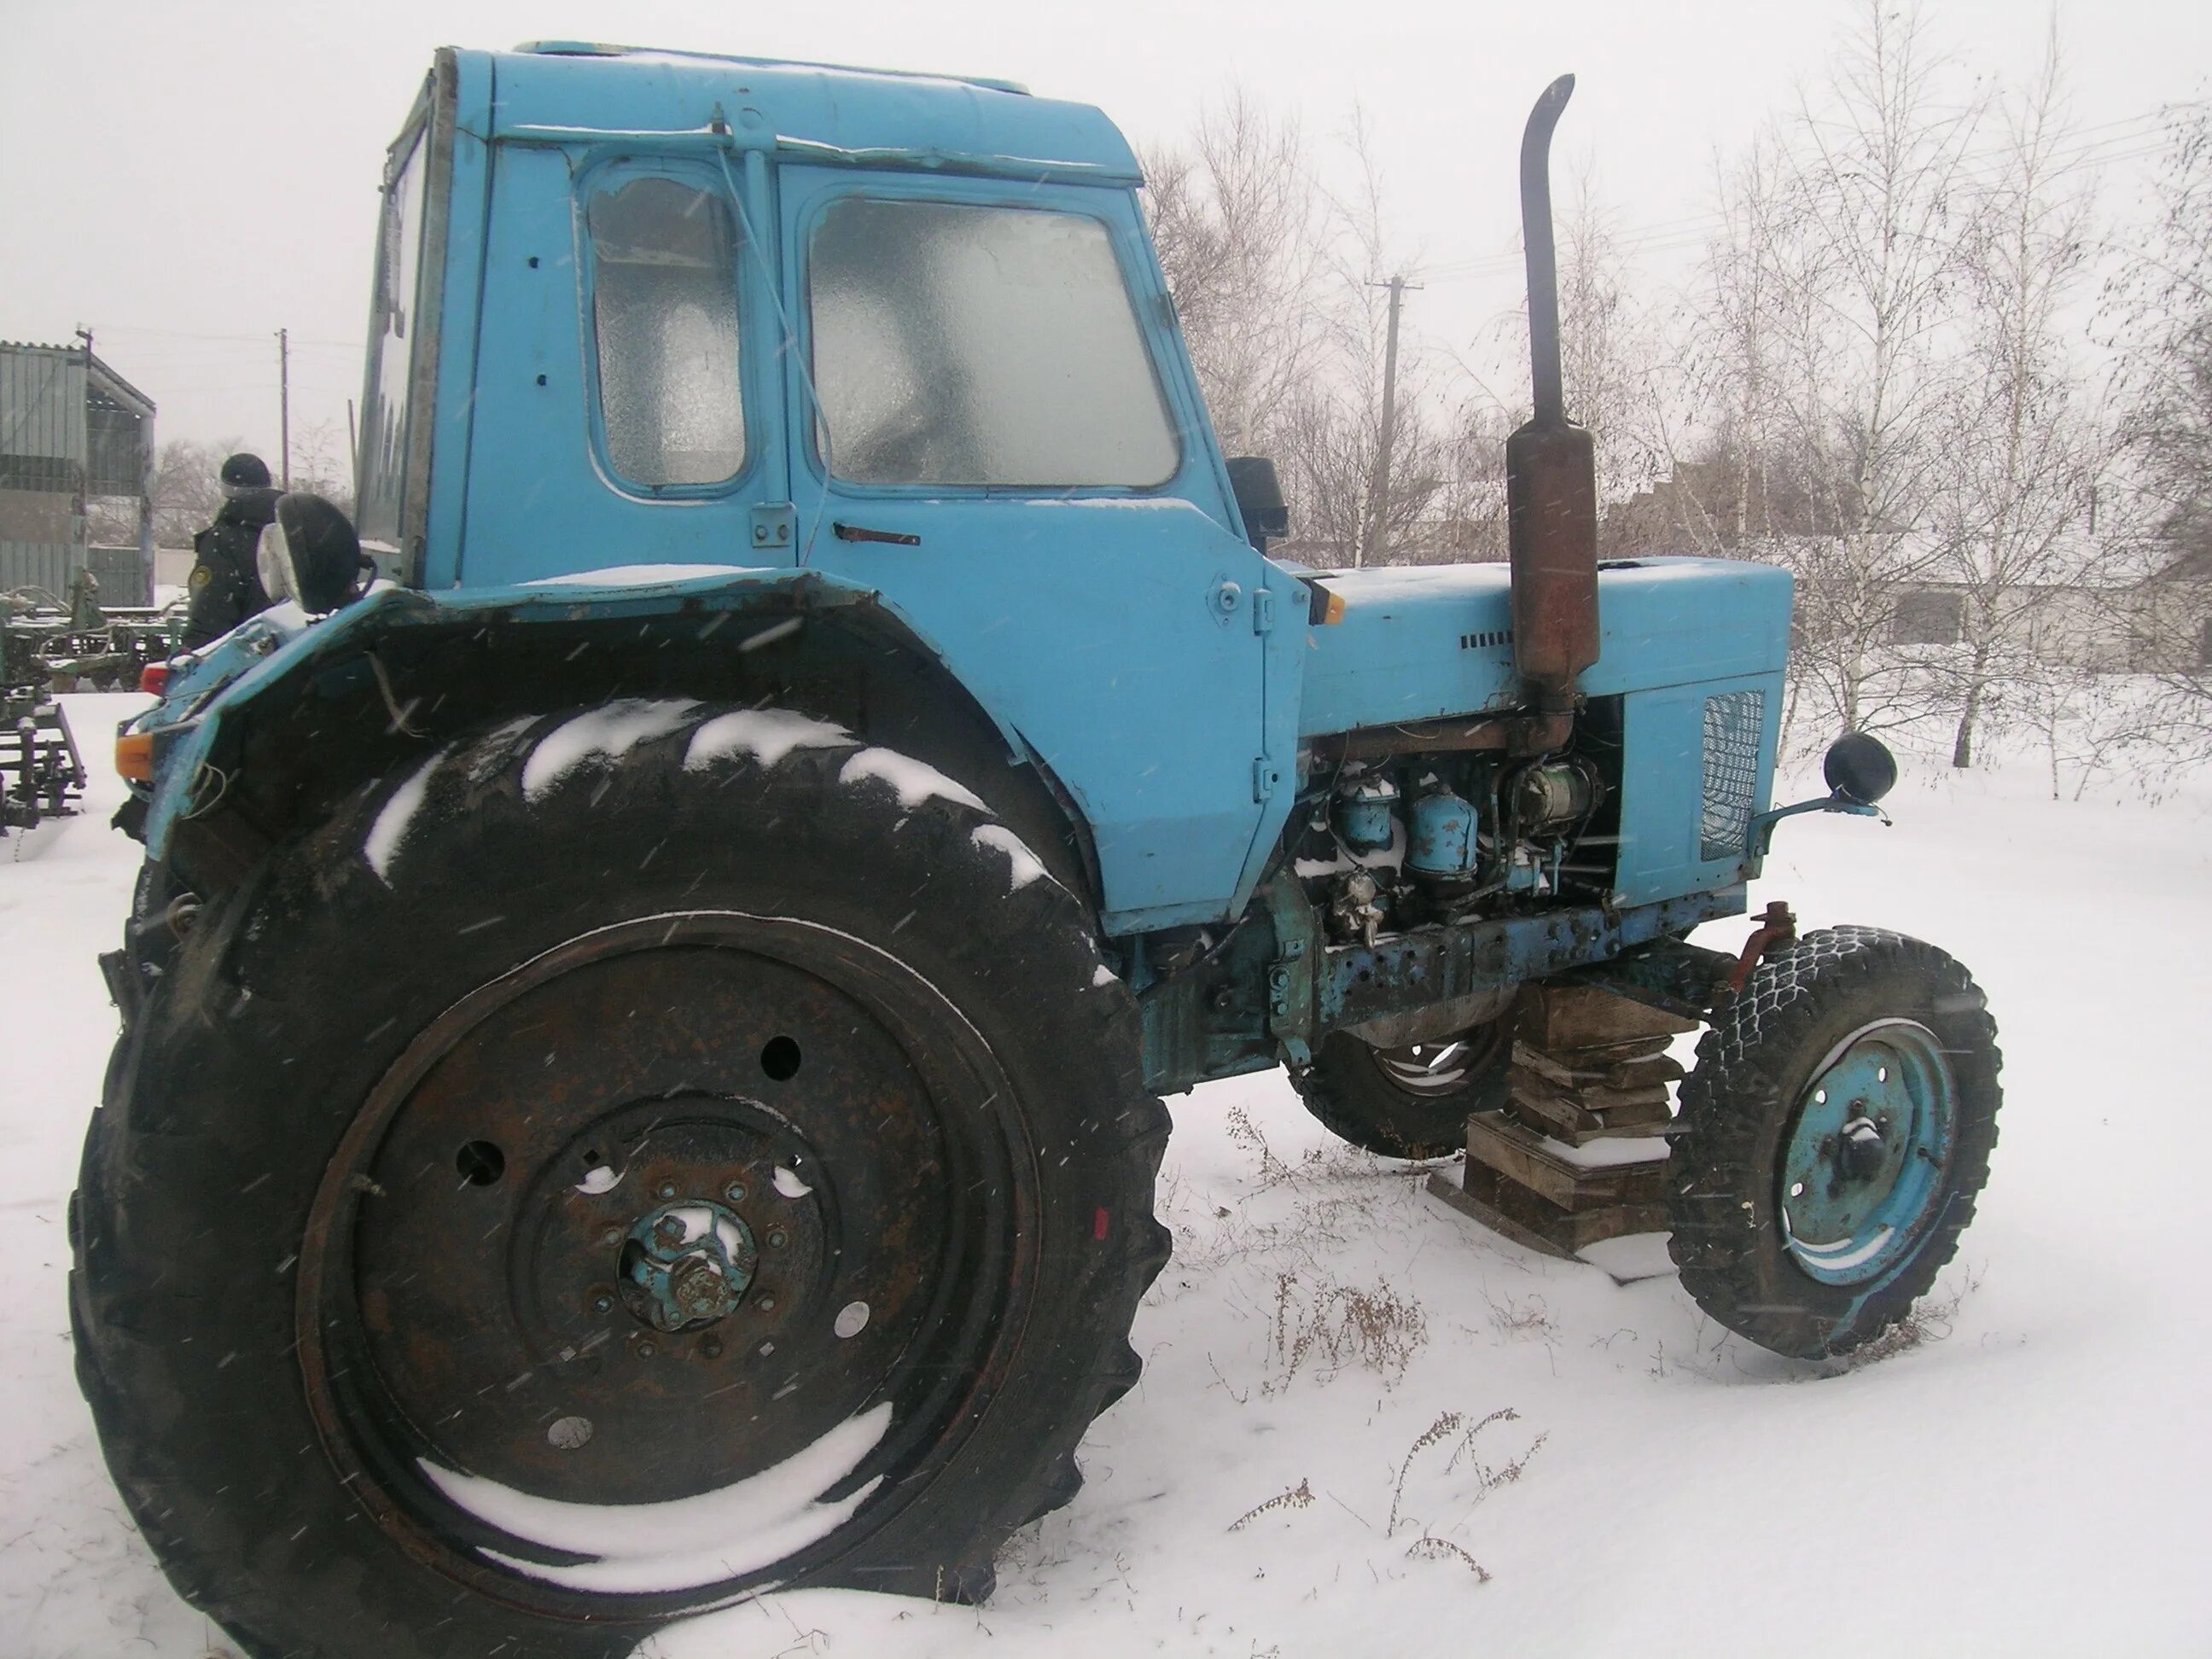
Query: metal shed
point(76, 464)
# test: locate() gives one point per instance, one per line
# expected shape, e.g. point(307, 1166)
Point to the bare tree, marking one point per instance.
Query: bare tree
point(1242, 232)
point(186, 490)
point(2017, 464)
point(1863, 255)
point(2161, 306)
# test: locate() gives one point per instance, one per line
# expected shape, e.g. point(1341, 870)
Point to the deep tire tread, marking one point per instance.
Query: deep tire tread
point(1752, 1066)
point(134, 1231)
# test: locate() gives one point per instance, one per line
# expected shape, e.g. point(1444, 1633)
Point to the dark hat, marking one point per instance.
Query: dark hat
point(245, 471)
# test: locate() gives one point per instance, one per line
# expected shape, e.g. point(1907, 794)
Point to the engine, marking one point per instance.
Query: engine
point(1392, 844)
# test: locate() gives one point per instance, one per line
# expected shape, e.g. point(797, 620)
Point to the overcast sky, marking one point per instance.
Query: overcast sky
point(184, 179)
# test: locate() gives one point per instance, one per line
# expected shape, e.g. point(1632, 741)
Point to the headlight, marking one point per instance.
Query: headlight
point(272, 557)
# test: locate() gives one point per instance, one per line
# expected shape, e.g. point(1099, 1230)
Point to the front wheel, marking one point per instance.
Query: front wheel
point(1837, 1129)
point(637, 1158)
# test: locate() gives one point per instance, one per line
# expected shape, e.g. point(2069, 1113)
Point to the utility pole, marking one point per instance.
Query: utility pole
point(1374, 536)
point(284, 399)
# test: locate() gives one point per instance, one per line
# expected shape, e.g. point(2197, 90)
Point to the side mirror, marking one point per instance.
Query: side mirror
point(1259, 495)
point(1860, 767)
point(1859, 770)
point(309, 553)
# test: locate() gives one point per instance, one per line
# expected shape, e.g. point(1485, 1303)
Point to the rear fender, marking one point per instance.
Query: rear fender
point(284, 713)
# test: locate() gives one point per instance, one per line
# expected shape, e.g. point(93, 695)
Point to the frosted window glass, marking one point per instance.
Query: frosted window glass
point(665, 304)
point(980, 346)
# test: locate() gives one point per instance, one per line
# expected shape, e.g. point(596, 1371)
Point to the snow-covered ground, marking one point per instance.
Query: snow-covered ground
point(1368, 1427)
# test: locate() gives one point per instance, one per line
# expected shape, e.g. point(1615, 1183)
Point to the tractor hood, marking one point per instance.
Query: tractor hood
point(1427, 641)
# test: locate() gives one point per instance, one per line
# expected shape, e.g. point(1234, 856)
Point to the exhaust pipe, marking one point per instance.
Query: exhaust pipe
point(1550, 468)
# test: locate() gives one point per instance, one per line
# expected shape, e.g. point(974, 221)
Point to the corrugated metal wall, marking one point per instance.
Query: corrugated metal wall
point(71, 432)
point(42, 465)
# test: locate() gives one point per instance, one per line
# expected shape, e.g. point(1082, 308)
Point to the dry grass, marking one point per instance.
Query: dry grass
point(1334, 1326)
point(1428, 1548)
point(1931, 1319)
point(1299, 1496)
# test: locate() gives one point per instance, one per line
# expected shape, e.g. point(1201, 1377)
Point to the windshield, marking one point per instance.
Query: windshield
point(383, 480)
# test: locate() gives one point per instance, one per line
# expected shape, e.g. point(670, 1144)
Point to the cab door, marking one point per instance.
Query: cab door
point(626, 411)
point(993, 429)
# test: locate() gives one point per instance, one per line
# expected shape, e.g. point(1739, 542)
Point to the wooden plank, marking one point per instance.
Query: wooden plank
point(1516, 1214)
point(1555, 1016)
point(1498, 1142)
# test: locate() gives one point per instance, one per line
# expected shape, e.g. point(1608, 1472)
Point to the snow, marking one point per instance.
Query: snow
point(641, 575)
point(1103, 975)
point(389, 833)
point(1023, 866)
point(788, 1183)
point(609, 732)
point(767, 734)
point(914, 781)
point(2034, 1477)
point(687, 1542)
point(599, 1178)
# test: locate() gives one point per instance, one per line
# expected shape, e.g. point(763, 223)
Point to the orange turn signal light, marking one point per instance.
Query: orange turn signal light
point(1331, 608)
point(134, 756)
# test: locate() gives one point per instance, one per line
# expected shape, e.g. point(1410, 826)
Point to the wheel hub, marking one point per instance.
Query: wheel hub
point(1864, 1163)
point(685, 1266)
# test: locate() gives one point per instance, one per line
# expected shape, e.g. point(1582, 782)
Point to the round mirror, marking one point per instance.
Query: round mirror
point(1860, 767)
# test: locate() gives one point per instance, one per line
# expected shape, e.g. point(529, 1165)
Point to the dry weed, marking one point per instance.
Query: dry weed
point(1299, 1496)
point(1428, 1548)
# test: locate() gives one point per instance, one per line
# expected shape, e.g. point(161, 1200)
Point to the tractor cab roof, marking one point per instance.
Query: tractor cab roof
point(561, 90)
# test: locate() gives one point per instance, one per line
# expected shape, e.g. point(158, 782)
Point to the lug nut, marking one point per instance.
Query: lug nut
point(735, 1192)
point(602, 1302)
point(646, 1351)
point(711, 1348)
point(611, 1235)
point(667, 1189)
point(766, 1304)
point(775, 1240)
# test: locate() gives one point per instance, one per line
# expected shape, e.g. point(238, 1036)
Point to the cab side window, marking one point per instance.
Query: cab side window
point(959, 344)
point(665, 320)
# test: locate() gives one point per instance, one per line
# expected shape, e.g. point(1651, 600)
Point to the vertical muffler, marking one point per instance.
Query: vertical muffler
point(1551, 467)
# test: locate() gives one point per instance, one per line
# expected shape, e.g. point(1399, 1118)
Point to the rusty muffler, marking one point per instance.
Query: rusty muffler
point(1550, 464)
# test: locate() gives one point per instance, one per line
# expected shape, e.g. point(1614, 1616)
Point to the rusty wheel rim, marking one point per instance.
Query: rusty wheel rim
point(649, 1215)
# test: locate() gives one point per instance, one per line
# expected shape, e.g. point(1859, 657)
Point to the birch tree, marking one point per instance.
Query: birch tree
point(2017, 463)
point(1878, 208)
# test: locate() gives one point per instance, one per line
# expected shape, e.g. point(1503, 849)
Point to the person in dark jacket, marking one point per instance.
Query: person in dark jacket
point(225, 587)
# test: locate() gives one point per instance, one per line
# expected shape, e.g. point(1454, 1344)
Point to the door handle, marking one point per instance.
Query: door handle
point(854, 533)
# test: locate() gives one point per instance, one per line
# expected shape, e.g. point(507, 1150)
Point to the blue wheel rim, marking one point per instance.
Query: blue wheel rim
point(1868, 1160)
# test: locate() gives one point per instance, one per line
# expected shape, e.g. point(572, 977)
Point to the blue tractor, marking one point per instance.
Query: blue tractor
point(644, 1022)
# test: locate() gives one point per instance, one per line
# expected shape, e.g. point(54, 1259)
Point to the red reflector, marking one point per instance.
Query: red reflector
point(1099, 1225)
point(154, 678)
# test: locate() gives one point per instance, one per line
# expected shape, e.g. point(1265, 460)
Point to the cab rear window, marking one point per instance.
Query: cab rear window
point(664, 325)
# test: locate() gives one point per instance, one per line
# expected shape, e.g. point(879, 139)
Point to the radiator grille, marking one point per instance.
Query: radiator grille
point(1732, 722)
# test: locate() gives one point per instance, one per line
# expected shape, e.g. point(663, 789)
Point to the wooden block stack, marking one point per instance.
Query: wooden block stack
point(1588, 1066)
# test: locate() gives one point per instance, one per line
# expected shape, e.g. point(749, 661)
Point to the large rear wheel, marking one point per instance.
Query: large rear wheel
point(636, 1159)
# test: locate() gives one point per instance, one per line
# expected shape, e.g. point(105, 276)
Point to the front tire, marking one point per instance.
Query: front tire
point(1836, 1131)
point(661, 1106)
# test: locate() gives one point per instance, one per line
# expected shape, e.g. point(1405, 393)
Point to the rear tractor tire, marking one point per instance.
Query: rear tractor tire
point(634, 1159)
point(1410, 1103)
point(1836, 1131)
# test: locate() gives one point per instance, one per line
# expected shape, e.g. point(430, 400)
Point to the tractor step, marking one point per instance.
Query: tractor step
point(1577, 1155)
